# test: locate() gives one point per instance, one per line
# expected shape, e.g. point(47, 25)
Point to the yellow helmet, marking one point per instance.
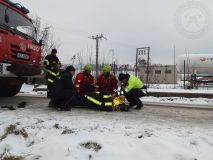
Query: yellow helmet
point(106, 68)
point(88, 67)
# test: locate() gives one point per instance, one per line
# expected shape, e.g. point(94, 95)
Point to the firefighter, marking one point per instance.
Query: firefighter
point(103, 101)
point(84, 81)
point(131, 86)
point(107, 82)
point(52, 66)
point(63, 91)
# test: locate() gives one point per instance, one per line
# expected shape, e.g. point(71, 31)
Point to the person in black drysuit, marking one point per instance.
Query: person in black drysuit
point(63, 92)
point(52, 66)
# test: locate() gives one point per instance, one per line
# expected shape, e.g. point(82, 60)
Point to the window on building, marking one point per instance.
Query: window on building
point(150, 72)
point(157, 71)
point(168, 71)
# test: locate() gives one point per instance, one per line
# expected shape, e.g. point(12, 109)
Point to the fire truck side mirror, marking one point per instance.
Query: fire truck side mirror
point(6, 18)
point(41, 42)
point(35, 29)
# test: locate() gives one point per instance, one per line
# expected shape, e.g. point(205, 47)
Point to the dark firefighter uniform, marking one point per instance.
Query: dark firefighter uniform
point(52, 65)
point(84, 81)
point(63, 90)
point(98, 100)
point(107, 82)
point(103, 101)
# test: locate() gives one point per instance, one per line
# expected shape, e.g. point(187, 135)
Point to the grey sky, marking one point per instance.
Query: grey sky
point(127, 24)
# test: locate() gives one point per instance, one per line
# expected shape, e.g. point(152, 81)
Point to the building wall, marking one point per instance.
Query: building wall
point(159, 74)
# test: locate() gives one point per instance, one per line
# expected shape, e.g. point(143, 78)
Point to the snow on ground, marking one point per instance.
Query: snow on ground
point(178, 100)
point(38, 133)
point(171, 88)
point(28, 90)
point(53, 135)
point(210, 91)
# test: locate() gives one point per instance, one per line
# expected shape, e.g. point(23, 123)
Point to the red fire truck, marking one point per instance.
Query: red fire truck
point(20, 52)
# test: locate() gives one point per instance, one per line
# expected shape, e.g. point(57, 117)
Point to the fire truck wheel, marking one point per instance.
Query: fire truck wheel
point(9, 90)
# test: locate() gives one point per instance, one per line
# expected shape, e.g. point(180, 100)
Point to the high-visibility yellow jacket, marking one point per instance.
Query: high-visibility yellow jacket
point(133, 83)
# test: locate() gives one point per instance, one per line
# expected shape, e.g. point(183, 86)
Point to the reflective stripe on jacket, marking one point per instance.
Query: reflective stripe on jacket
point(51, 63)
point(84, 82)
point(101, 100)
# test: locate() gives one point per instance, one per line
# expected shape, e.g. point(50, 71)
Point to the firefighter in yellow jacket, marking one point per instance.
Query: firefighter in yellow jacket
point(132, 88)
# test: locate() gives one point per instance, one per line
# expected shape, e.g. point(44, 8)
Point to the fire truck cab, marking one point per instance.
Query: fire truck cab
point(20, 52)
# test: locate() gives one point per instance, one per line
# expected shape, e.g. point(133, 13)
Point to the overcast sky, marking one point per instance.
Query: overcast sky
point(127, 25)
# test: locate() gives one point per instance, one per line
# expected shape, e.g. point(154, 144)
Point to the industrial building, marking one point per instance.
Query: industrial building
point(159, 74)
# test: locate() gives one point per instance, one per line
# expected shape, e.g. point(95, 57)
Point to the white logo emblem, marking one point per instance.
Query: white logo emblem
point(193, 19)
point(33, 47)
point(23, 47)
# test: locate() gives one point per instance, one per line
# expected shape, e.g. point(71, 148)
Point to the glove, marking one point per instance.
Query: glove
point(115, 90)
point(122, 88)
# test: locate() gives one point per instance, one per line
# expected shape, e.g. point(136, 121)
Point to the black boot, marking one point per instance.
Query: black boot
point(22, 104)
point(131, 104)
point(139, 104)
point(67, 107)
point(51, 104)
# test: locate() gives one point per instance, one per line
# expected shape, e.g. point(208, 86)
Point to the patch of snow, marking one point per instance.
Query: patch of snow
point(178, 100)
point(210, 91)
point(28, 90)
point(119, 138)
point(58, 135)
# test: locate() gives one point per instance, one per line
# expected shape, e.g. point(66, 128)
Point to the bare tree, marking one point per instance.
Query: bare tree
point(37, 24)
point(46, 35)
point(79, 56)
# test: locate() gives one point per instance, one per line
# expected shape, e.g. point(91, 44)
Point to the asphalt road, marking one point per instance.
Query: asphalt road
point(151, 113)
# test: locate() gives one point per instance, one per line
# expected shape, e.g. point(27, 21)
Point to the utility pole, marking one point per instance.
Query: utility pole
point(174, 68)
point(97, 38)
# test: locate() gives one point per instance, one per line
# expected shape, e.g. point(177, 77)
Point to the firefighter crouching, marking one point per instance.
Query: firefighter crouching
point(52, 66)
point(84, 81)
point(107, 82)
point(131, 86)
point(63, 93)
